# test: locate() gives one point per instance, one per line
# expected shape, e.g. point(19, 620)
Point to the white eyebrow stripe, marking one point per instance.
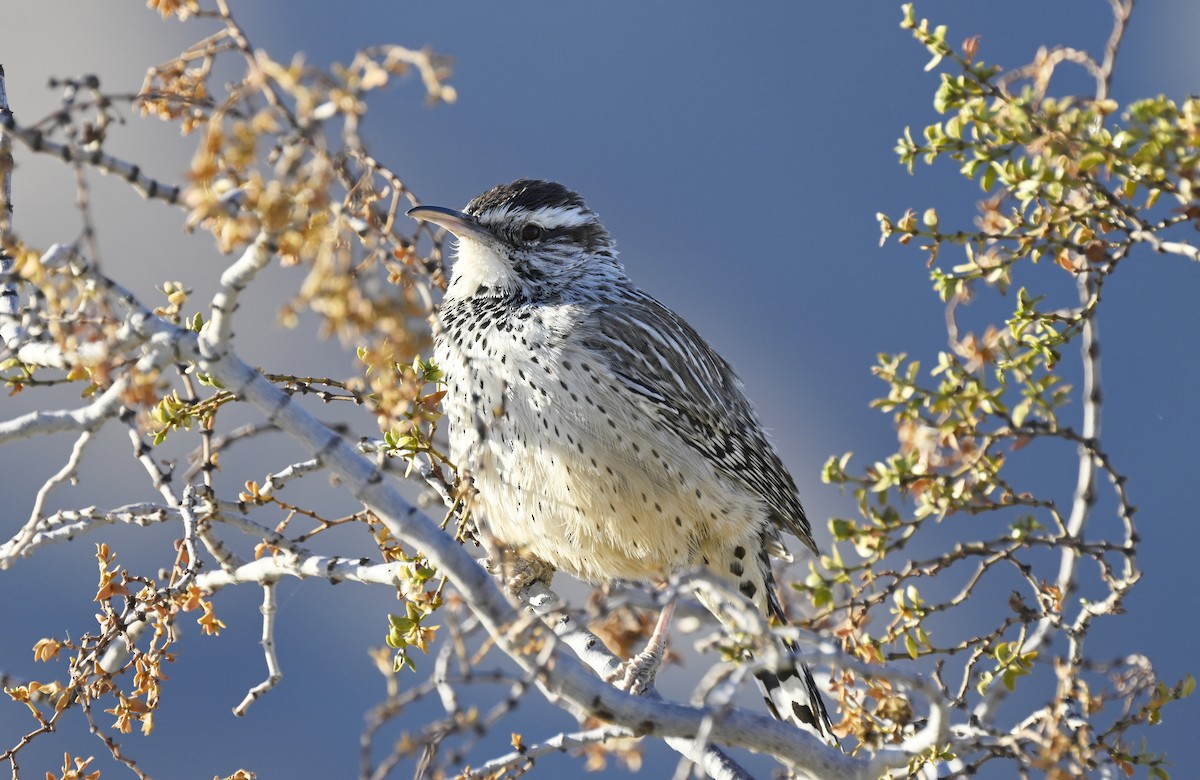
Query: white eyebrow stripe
point(549, 217)
point(552, 217)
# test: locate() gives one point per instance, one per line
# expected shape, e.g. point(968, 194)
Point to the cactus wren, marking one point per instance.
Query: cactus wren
point(604, 437)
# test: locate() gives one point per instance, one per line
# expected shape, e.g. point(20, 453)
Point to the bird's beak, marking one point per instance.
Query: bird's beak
point(460, 224)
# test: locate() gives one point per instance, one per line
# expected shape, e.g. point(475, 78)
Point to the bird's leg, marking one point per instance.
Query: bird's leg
point(639, 671)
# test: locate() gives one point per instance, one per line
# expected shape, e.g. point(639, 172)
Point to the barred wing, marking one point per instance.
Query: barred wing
point(692, 391)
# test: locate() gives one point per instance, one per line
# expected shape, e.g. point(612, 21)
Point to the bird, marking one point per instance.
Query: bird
point(602, 435)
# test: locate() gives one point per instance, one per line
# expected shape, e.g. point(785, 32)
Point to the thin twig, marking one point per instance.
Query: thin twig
point(274, 672)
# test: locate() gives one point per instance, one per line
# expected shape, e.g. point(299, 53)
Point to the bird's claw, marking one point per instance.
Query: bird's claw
point(637, 675)
point(519, 573)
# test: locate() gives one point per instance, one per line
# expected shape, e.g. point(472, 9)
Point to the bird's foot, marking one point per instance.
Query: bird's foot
point(637, 675)
point(519, 573)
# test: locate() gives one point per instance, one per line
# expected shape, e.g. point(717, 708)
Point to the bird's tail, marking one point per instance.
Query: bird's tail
point(792, 695)
point(790, 692)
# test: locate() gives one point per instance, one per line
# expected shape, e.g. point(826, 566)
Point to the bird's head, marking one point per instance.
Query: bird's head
point(533, 239)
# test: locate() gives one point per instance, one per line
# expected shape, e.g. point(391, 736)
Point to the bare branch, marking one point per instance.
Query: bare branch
point(274, 672)
point(9, 302)
point(1122, 10)
point(87, 419)
point(527, 755)
point(147, 187)
point(16, 546)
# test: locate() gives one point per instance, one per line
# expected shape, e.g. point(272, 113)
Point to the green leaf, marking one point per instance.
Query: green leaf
point(842, 529)
point(1090, 160)
point(988, 179)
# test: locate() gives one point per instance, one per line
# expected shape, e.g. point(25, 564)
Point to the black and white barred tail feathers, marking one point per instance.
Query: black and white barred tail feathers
point(792, 694)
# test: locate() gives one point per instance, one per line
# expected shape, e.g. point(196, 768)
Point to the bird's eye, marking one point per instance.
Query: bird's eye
point(531, 233)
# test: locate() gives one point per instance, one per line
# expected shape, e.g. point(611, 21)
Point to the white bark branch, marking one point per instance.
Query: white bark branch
point(9, 301)
point(274, 672)
point(36, 518)
point(88, 419)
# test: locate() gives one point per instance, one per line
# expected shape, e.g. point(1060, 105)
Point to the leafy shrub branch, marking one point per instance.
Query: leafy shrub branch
point(1080, 183)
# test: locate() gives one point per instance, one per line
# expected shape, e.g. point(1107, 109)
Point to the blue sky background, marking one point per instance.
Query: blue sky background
point(738, 154)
